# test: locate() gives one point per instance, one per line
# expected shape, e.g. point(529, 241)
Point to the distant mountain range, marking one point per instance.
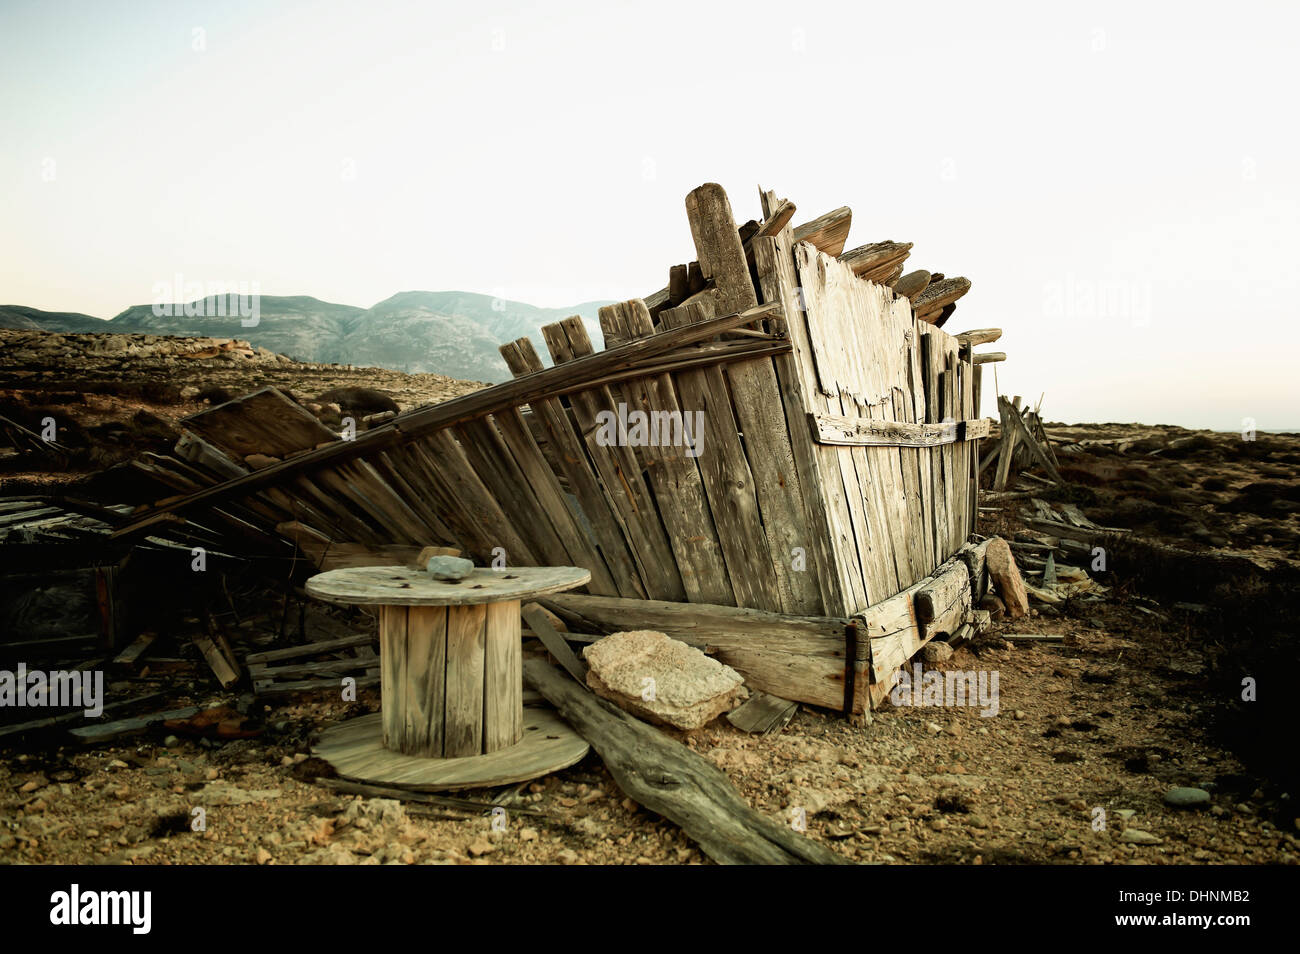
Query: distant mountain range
point(451, 333)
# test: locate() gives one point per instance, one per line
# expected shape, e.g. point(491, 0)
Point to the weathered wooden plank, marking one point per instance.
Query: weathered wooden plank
point(618, 467)
point(592, 497)
point(758, 405)
point(503, 723)
point(868, 258)
point(393, 673)
point(263, 422)
point(309, 649)
point(834, 559)
point(473, 509)
point(541, 625)
point(463, 726)
point(839, 429)
point(672, 471)
point(726, 476)
point(978, 336)
point(556, 507)
point(224, 669)
point(425, 686)
point(762, 713)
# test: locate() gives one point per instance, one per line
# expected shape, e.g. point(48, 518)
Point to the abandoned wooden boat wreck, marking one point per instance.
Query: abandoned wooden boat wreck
point(807, 517)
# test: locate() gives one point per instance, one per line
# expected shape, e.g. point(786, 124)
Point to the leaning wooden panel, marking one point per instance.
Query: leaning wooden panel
point(671, 467)
point(826, 307)
point(757, 402)
point(775, 264)
point(828, 521)
point(727, 480)
point(608, 531)
point(618, 468)
point(443, 455)
point(554, 505)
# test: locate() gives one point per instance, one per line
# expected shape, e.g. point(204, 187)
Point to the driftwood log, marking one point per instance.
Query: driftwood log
point(671, 780)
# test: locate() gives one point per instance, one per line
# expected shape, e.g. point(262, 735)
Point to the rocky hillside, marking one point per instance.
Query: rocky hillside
point(451, 333)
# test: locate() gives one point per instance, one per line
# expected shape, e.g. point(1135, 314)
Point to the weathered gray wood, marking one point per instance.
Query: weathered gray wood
point(728, 482)
point(758, 404)
point(839, 429)
point(129, 657)
point(797, 380)
point(540, 624)
point(762, 712)
point(617, 465)
point(466, 637)
point(224, 669)
point(522, 359)
point(105, 731)
point(312, 685)
point(866, 259)
point(912, 284)
point(673, 475)
point(1017, 422)
point(411, 586)
point(503, 686)
point(979, 336)
point(76, 715)
point(355, 750)
point(309, 649)
point(671, 780)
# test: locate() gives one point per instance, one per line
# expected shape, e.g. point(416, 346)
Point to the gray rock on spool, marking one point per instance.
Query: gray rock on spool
point(449, 568)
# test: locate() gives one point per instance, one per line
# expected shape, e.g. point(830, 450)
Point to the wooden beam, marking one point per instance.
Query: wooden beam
point(795, 657)
point(863, 432)
point(990, 357)
point(979, 336)
point(536, 618)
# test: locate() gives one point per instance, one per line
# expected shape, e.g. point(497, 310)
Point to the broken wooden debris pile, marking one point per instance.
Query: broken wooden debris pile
point(784, 428)
point(296, 669)
point(1022, 444)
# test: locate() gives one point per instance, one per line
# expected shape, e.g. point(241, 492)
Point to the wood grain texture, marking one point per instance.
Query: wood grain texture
point(503, 685)
point(466, 641)
point(355, 750)
point(412, 586)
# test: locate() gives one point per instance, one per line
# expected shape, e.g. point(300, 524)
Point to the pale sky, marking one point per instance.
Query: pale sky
point(1120, 182)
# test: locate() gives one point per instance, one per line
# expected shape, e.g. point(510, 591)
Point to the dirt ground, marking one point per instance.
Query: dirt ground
point(1140, 694)
point(1104, 720)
